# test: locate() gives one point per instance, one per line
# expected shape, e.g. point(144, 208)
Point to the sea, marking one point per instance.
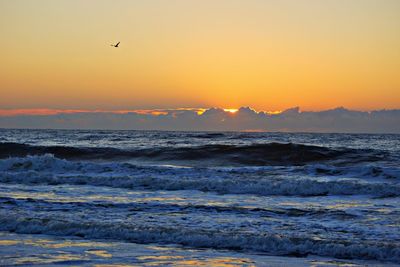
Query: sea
point(154, 198)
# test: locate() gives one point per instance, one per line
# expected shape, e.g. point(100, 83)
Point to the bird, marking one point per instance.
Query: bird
point(116, 45)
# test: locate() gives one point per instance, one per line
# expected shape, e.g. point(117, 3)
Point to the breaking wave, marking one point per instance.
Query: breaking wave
point(274, 244)
point(214, 154)
point(271, 180)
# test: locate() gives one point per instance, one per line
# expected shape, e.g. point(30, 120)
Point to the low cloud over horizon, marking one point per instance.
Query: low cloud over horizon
point(211, 119)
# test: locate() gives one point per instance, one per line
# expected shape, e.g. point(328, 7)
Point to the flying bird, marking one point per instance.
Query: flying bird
point(116, 45)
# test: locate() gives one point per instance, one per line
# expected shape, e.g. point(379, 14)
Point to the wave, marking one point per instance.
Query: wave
point(305, 187)
point(49, 163)
point(50, 170)
point(364, 171)
point(214, 155)
point(282, 213)
point(273, 244)
point(208, 135)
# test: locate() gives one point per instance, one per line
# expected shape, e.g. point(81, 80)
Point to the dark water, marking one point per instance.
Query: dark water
point(248, 194)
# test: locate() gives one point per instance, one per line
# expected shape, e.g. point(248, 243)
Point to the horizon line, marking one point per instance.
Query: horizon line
point(11, 112)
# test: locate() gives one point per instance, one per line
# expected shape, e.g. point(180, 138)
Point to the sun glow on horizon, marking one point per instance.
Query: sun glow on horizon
point(231, 110)
point(276, 112)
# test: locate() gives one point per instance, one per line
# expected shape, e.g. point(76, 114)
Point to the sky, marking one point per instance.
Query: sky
point(270, 55)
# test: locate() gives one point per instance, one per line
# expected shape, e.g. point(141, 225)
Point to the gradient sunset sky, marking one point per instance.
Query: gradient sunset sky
point(270, 55)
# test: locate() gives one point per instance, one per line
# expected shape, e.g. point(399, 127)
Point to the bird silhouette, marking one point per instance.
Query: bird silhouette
point(116, 45)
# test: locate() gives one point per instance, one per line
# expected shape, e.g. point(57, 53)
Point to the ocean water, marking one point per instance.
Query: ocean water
point(148, 198)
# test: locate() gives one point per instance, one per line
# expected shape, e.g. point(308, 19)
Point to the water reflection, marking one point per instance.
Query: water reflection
point(49, 258)
point(100, 253)
point(42, 250)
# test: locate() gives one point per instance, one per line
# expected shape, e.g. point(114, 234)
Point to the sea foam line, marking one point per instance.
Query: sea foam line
point(264, 242)
point(260, 181)
point(265, 187)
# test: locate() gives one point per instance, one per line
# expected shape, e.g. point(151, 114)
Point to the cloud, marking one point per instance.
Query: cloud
point(212, 119)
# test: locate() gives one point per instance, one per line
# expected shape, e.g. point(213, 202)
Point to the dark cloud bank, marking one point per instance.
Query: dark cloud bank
point(215, 119)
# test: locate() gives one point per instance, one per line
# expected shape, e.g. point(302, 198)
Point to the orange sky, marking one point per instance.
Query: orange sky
point(270, 55)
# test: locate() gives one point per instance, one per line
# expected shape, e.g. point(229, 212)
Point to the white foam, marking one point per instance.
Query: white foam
point(270, 243)
point(50, 170)
point(364, 171)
